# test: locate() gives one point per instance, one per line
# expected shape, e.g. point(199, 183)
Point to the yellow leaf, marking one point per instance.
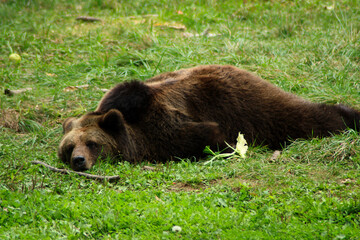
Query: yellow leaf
point(241, 145)
point(50, 74)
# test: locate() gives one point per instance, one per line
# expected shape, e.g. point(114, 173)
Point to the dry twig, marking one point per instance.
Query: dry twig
point(275, 156)
point(148, 168)
point(65, 171)
point(144, 16)
point(73, 88)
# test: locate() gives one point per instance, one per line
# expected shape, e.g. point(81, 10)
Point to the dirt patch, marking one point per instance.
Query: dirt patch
point(9, 118)
point(186, 187)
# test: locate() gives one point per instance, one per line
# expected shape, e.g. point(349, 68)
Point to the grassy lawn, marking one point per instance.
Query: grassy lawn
point(310, 48)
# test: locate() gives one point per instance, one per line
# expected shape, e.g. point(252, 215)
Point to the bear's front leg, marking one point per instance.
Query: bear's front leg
point(191, 138)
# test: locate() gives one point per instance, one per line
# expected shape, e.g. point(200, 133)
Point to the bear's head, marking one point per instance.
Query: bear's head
point(93, 136)
point(106, 132)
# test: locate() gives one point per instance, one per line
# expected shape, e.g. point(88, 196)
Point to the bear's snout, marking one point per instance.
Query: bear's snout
point(79, 163)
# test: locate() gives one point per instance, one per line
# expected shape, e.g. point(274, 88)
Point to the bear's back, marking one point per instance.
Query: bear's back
point(234, 98)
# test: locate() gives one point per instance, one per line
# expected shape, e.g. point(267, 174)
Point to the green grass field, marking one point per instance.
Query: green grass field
point(310, 48)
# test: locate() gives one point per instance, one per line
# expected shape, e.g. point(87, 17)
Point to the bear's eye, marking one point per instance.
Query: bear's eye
point(91, 144)
point(68, 151)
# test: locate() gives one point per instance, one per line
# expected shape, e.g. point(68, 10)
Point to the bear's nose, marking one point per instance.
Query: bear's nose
point(79, 163)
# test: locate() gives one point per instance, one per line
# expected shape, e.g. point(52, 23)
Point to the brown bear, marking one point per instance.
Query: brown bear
point(178, 114)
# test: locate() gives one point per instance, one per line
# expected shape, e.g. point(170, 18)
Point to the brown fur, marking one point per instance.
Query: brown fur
point(179, 113)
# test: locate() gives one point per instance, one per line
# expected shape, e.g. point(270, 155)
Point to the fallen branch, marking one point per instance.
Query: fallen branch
point(10, 92)
point(65, 171)
point(88, 19)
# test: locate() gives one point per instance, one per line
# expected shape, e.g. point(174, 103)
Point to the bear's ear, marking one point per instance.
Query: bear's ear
point(132, 99)
point(112, 122)
point(68, 124)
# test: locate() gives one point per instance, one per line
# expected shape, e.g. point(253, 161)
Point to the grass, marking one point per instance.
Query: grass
point(310, 48)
